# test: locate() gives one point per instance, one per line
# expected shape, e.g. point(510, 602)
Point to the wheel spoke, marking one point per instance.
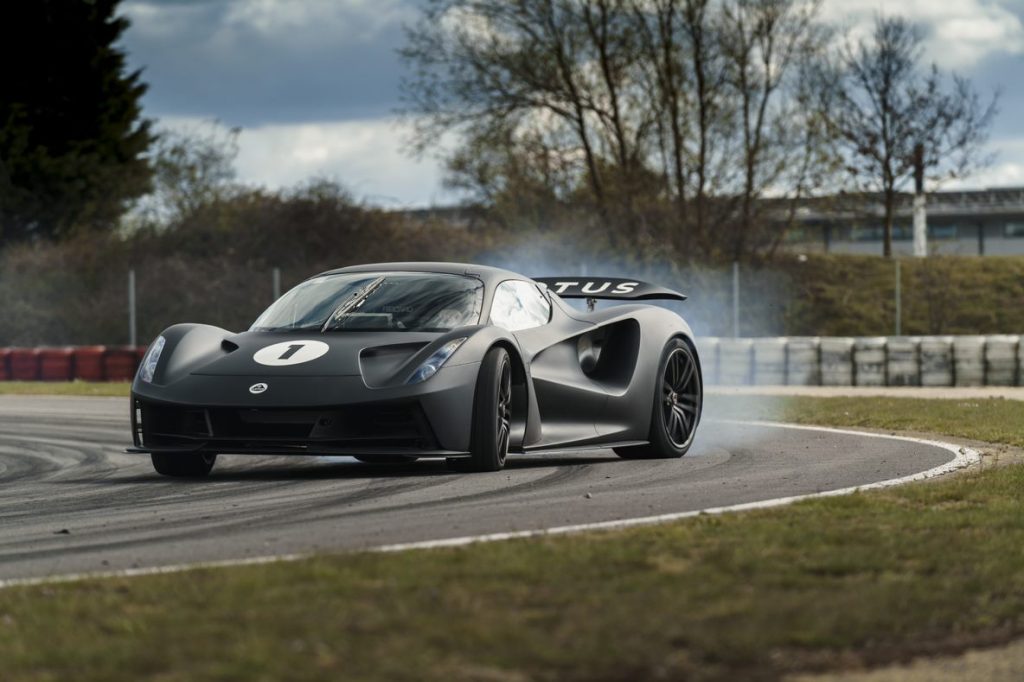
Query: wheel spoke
point(675, 423)
point(687, 375)
point(680, 428)
point(684, 417)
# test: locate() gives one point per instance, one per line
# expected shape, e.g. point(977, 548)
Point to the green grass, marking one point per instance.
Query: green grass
point(994, 420)
point(870, 577)
point(87, 388)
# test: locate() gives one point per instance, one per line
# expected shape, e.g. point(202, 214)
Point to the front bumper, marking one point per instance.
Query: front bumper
point(306, 415)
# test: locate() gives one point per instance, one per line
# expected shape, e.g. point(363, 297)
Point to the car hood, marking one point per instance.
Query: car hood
point(268, 354)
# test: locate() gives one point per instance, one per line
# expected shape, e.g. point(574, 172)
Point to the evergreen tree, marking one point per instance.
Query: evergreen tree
point(72, 140)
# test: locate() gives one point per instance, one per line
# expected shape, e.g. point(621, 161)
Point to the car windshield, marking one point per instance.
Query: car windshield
point(391, 301)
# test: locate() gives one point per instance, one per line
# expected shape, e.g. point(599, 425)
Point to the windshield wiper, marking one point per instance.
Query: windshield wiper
point(357, 300)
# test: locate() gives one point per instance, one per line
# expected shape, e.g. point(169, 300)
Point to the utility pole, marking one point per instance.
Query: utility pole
point(920, 216)
point(133, 337)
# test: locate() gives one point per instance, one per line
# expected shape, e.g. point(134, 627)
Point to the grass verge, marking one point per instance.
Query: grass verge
point(117, 389)
point(865, 578)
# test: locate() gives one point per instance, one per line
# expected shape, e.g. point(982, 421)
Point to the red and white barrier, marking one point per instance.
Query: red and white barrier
point(83, 363)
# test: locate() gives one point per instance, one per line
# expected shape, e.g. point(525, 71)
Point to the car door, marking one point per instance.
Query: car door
point(567, 400)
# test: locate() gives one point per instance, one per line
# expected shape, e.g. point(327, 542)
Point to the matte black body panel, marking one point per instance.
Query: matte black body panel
point(583, 379)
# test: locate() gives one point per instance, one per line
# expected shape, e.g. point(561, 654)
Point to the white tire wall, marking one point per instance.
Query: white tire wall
point(1001, 368)
point(837, 361)
point(903, 366)
point(735, 358)
point(969, 360)
point(707, 353)
point(803, 367)
point(869, 361)
point(937, 361)
point(770, 361)
point(996, 360)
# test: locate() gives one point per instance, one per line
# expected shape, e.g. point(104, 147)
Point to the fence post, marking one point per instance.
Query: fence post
point(735, 299)
point(899, 300)
point(132, 332)
point(277, 283)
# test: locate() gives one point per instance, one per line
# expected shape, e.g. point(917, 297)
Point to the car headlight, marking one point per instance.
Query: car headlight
point(149, 362)
point(435, 361)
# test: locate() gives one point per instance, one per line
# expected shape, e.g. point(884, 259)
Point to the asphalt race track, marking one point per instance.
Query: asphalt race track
point(72, 501)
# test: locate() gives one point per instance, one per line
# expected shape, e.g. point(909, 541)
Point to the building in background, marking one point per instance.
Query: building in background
point(977, 222)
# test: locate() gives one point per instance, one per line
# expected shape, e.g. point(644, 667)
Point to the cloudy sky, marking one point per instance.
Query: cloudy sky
point(314, 84)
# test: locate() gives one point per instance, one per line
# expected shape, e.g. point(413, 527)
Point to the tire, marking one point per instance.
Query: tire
point(492, 415)
point(678, 401)
point(183, 465)
point(386, 459)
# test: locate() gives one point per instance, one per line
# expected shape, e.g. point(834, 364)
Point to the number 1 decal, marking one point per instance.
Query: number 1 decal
point(290, 353)
point(292, 350)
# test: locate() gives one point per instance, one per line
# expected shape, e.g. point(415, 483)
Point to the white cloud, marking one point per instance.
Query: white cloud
point(1007, 169)
point(359, 20)
point(276, 21)
point(367, 157)
point(960, 33)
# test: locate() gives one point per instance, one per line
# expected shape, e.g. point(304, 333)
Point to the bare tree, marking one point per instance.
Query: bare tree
point(884, 106)
point(557, 67)
point(678, 116)
point(766, 44)
point(192, 167)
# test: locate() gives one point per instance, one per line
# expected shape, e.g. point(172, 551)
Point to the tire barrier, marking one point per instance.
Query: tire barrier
point(119, 364)
point(89, 363)
point(707, 351)
point(1001, 364)
point(56, 364)
point(969, 360)
point(903, 362)
point(996, 360)
point(24, 364)
point(836, 361)
point(803, 366)
point(735, 361)
point(869, 361)
point(85, 363)
point(769, 362)
point(937, 361)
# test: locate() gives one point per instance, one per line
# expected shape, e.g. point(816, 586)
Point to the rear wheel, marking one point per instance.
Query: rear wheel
point(678, 400)
point(492, 415)
point(183, 464)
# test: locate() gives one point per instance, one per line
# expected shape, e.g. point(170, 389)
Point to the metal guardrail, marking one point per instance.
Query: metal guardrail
point(864, 361)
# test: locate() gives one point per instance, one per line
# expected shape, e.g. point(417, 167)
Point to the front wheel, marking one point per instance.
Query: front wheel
point(492, 415)
point(678, 400)
point(183, 464)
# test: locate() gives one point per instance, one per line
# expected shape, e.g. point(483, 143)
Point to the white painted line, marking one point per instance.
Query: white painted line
point(962, 457)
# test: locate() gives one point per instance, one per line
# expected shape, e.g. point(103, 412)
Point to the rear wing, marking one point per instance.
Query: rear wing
point(608, 288)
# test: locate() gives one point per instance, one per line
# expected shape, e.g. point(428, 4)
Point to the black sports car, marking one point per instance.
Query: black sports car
point(396, 361)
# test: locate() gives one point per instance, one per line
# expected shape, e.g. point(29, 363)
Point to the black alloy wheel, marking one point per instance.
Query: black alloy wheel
point(678, 400)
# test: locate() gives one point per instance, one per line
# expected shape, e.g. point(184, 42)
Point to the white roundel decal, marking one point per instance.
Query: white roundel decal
point(290, 353)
